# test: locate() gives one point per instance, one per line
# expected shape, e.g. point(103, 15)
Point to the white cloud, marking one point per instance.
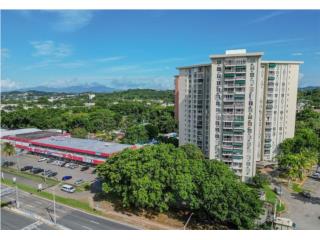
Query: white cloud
point(297, 54)
point(72, 20)
point(50, 49)
point(8, 85)
point(267, 17)
point(110, 59)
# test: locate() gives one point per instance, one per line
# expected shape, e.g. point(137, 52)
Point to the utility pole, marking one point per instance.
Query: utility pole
point(17, 192)
point(185, 226)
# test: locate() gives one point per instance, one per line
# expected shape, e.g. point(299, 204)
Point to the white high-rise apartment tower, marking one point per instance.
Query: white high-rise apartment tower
point(238, 108)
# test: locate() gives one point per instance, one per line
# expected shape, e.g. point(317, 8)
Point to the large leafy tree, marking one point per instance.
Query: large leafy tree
point(136, 134)
point(163, 177)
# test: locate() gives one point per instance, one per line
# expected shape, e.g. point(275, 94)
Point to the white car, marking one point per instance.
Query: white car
point(68, 188)
point(42, 159)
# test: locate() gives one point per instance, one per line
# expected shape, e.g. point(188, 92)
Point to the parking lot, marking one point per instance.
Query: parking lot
point(76, 173)
point(305, 212)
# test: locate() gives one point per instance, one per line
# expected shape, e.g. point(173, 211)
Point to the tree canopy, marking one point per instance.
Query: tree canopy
point(299, 154)
point(165, 178)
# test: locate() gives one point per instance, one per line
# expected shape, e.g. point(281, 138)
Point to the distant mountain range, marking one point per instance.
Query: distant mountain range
point(90, 87)
point(309, 88)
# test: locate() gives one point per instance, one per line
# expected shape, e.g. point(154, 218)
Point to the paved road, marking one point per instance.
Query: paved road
point(67, 217)
point(304, 212)
point(13, 221)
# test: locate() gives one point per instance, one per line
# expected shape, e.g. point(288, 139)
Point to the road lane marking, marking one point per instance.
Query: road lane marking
point(94, 222)
point(86, 227)
point(32, 225)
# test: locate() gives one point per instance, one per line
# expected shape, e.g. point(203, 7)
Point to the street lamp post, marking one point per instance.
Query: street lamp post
point(17, 192)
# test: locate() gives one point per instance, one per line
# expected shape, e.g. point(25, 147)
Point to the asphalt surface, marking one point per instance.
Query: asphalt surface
point(66, 216)
point(303, 211)
point(13, 221)
point(29, 159)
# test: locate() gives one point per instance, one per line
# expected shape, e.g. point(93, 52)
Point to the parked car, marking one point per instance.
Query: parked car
point(26, 168)
point(305, 194)
point(315, 175)
point(42, 159)
point(60, 163)
point(63, 164)
point(68, 188)
point(78, 182)
point(8, 164)
point(73, 166)
point(36, 170)
point(278, 190)
point(46, 172)
point(67, 165)
point(84, 168)
point(50, 160)
point(52, 174)
point(64, 178)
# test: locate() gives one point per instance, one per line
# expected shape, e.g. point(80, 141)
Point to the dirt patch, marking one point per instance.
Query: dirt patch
point(143, 220)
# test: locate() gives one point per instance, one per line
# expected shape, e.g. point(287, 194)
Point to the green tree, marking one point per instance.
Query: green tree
point(162, 178)
point(152, 131)
point(192, 151)
point(79, 132)
point(136, 134)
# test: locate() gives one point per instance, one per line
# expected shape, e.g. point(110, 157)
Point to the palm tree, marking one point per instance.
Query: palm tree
point(8, 149)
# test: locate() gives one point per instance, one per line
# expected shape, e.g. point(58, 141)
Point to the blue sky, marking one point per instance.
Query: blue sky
point(141, 49)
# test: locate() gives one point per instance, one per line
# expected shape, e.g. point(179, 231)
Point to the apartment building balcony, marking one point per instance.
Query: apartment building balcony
point(237, 157)
point(240, 82)
point(238, 132)
point(199, 75)
point(229, 75)
point(235, 63)
point(239, 97)
point(228, 99)
point(238, 112)
point(239, 92)
point(272, 65)
point(237, 144)
point(228, 147)
point(269, 106)
point(270, 78)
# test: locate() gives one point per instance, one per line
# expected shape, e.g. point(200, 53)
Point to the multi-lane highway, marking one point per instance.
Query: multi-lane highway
point(14, 221)
point(67, 217)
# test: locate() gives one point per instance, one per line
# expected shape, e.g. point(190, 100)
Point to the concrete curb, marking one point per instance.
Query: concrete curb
point(37, 217)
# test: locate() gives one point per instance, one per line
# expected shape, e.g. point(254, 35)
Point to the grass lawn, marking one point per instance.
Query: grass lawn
point(296, 187)
point(37, 178)
point(271, 197)
point(67, 201)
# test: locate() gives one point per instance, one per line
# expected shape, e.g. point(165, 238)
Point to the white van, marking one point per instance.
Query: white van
point(68, 188)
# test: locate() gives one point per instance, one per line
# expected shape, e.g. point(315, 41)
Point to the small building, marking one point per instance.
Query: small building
point(61, 145)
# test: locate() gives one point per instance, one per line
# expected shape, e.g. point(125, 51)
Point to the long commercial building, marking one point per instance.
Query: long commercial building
point(62, 146)
point(237, 108)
